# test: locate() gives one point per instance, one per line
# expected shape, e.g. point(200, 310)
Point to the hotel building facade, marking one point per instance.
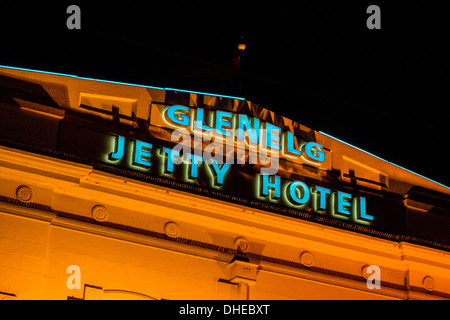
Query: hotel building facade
point(106, 192)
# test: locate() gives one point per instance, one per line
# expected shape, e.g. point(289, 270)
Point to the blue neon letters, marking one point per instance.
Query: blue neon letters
point(298, 194)
point(141, 156)
point(312, 149)
point(220, 122)
point(275, 185)
point(120, 149)
point(175, 116)
point(273, 139)
point(290, 144)
point(271, 187)
point(238, 126)
point(293, 192)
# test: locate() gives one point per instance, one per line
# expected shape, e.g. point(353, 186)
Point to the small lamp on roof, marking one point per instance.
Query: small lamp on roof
point(241, 45)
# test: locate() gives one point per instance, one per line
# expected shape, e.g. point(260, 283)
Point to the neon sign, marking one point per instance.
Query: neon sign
point(215, 150)
point(320, 200)
point(153, 159)
point(243, 132)
point(138, 155)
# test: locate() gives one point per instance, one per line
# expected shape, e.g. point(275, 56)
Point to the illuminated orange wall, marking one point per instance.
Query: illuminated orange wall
point(289, 258)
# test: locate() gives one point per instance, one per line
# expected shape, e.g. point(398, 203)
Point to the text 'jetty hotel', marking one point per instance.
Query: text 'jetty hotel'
point(98, 201)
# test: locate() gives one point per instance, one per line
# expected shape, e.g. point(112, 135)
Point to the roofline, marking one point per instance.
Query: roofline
point(122, 83)
point(215, 95)
point(371, 154)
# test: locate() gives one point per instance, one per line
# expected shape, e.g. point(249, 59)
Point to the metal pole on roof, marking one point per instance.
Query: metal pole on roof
point(241, 51)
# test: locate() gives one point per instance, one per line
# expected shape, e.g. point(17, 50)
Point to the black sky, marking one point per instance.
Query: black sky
point(385, 91)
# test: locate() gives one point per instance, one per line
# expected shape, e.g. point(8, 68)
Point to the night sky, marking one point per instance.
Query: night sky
point(316, 62)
